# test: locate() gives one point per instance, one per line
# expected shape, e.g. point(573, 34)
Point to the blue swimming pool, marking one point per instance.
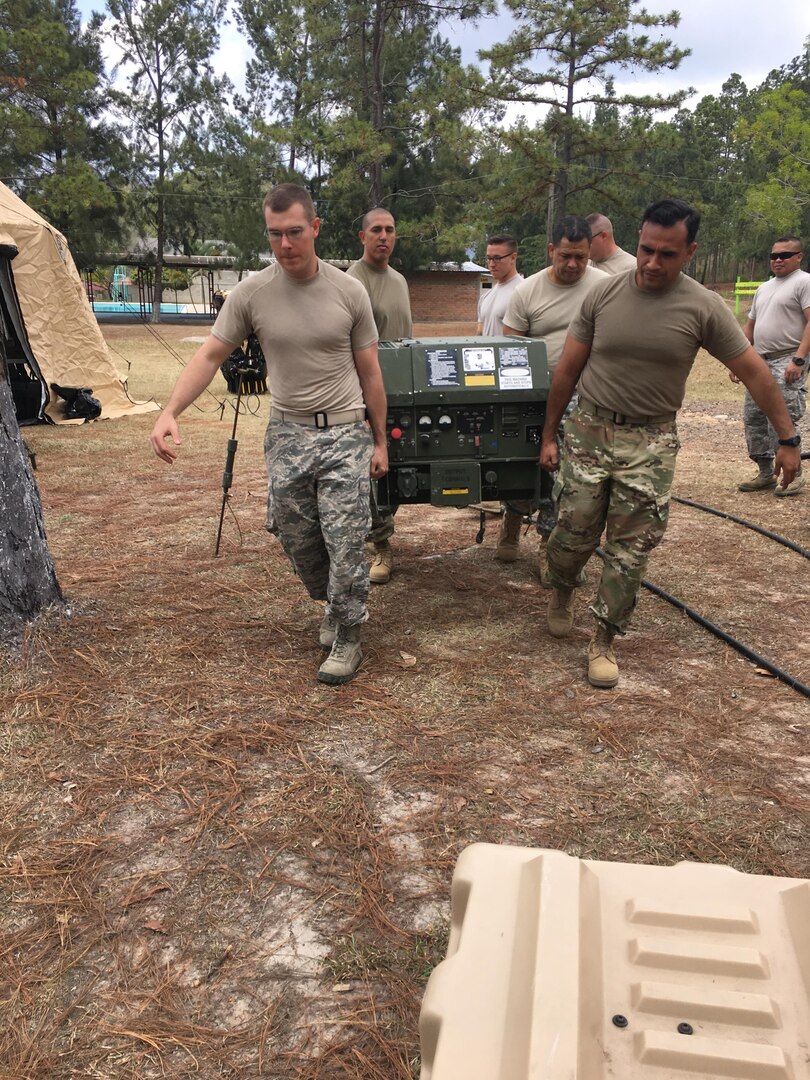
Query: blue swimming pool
point(124, 307)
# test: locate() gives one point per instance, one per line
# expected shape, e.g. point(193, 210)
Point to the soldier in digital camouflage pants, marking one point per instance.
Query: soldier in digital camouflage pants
point(326, 433)
point(778, 326)
point(318, 489)
point(759, 434)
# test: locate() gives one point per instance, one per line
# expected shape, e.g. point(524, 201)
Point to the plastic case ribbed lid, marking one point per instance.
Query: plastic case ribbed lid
point(560, 968)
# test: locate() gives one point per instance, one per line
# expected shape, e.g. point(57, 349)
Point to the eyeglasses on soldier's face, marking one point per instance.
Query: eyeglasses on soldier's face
point(779, 255)
point(500, 258)
point(275, 236)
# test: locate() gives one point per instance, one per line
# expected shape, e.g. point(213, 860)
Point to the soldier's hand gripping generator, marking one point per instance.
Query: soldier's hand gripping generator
point(464, 420)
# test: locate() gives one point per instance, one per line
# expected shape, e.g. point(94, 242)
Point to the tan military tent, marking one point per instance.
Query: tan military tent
point(51, 332)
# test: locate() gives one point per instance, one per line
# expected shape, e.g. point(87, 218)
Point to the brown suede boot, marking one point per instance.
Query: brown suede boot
point(793, 488)
point(509, 536)
point(764, 478)
point(603, 671)
point(560, 612)
point(379, 573)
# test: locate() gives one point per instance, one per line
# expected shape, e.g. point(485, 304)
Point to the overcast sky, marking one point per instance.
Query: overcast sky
point(725, 36)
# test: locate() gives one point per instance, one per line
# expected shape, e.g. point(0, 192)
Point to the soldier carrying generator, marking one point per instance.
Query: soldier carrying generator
point(628, 354)
point(316, 328)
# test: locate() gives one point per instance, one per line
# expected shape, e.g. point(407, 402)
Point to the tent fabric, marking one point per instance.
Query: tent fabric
point(28, 387)
point(60, 325)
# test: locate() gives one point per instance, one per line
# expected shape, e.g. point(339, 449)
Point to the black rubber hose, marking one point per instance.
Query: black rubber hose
point(748, 525)
point(718, 632)
point(713, 628)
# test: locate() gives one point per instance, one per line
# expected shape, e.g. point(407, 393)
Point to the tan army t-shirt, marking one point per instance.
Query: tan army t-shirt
point(308, 331)
point(617, 263)
point(643, 344)
point(390, 300)
point(540, 308)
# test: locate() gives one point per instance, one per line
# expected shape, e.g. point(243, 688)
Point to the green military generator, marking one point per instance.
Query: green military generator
point(464, 420)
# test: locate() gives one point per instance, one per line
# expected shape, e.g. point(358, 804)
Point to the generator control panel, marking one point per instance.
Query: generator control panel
point(465, 416)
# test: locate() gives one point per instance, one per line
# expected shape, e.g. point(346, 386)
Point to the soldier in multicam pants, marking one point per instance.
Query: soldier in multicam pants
point(619, 474)
point(628, 354)
point(318, 506)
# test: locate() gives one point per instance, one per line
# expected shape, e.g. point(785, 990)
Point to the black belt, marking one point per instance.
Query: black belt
point(777, 355)
point(319, 419)
point(622, 418)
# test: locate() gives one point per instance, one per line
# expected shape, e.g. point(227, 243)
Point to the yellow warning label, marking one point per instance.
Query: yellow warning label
point(479, 380)
point(455, 491)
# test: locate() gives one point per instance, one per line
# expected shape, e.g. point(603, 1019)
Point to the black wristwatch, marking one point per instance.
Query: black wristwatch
point(794, 440)
point(799, 361)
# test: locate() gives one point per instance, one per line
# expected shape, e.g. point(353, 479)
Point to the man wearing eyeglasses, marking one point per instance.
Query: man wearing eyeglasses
point(502, 252)
point(542, 306)
point(391, 303)
point(778, 327)
point(605, 252)
point(317, 332)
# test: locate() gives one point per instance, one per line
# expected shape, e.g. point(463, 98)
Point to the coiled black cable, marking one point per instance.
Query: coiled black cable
point(713, 628)
point(747, 524)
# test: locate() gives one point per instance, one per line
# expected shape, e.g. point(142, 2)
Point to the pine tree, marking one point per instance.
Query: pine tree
point(56, 149)
point(28, 582)
point(583, 44)
point(167, 46)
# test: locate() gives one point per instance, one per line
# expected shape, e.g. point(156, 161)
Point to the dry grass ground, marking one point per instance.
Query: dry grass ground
point(212, 866)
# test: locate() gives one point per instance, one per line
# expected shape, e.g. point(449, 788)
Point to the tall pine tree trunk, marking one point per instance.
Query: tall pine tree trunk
point(27, 576)
point(377, 97)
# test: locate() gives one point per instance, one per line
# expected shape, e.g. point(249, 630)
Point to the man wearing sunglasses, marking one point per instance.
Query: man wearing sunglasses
point(502, 252)
point(778, 327)
point(316, 329)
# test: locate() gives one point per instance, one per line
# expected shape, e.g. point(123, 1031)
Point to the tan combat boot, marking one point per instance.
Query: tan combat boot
point(764, 478)
point(343, 661)
point(560, 612)
point(603, 671)
point(509, 536)
point(328, 631)
point(793, 488)
point(379, 573)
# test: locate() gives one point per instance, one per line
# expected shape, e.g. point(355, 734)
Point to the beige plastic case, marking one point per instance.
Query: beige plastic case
point(559, 968)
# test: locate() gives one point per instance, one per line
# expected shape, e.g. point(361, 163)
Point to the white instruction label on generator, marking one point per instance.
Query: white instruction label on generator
point(515, 373)
point(442, 367)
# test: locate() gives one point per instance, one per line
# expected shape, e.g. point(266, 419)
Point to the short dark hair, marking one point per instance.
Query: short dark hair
point(281, 198)
point(375, 210)
point(504, 238)
point(669, 212)
point(571, 228)
point(787, 240)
